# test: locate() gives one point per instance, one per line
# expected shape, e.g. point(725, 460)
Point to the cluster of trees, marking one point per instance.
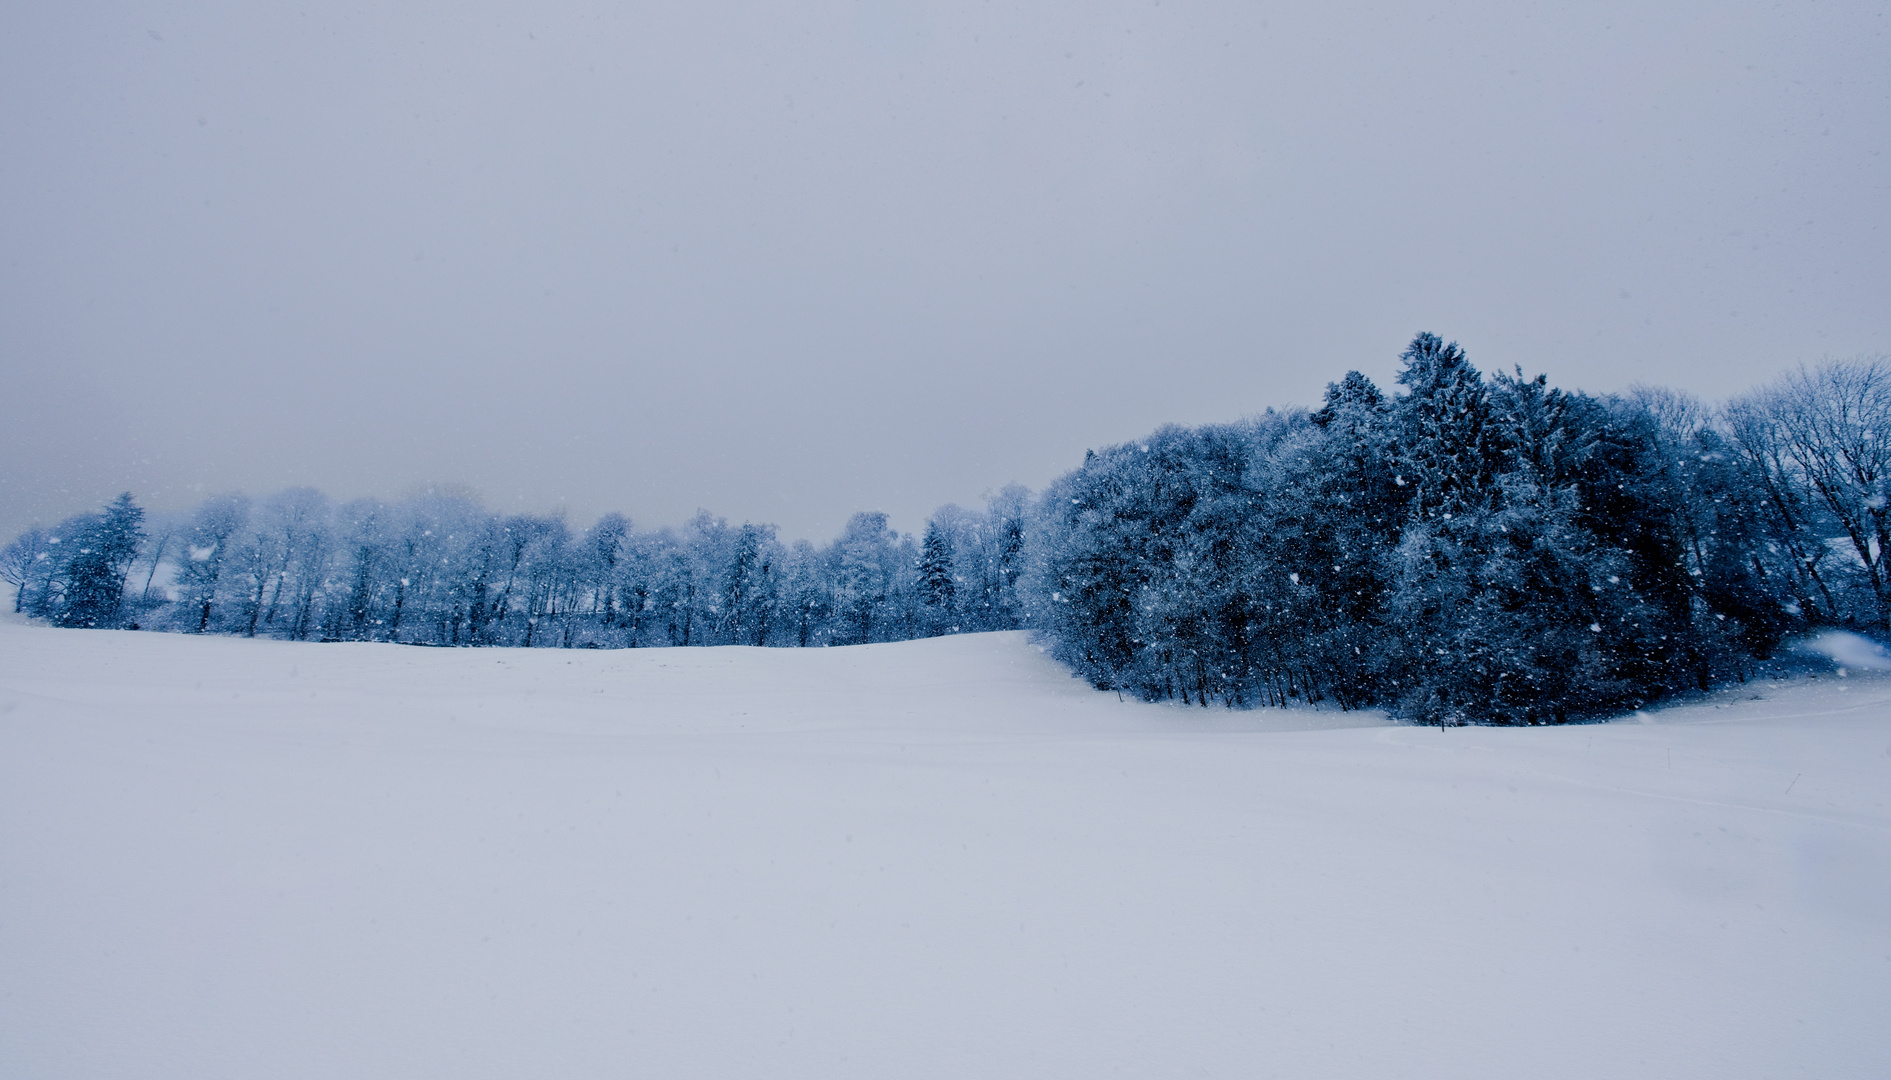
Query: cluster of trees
point(442, 570)
point(1469, 550)
point(1482, 550)
point(76, 575)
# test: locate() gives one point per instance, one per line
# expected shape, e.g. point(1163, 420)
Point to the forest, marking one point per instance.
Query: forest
point(1462, 549)
point(439, 569)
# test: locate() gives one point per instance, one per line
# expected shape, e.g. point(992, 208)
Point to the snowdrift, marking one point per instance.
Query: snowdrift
point(942, 858)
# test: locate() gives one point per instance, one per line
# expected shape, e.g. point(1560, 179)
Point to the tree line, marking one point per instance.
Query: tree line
point(1467, 549)
point(439, 569)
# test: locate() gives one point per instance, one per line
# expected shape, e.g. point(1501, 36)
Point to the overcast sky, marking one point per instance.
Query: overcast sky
point(789, 261)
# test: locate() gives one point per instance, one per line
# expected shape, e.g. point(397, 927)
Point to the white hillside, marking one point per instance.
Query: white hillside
point(945, 858)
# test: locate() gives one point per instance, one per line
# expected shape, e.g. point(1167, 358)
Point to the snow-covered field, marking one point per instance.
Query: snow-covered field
point(228, 858)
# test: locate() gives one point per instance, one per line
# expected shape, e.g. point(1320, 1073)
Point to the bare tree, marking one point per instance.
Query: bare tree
point(26, 559)
point(1821, 437)
point(200, 574)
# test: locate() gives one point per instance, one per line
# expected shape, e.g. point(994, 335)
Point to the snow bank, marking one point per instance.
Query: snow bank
point(1849, 650)
point(933, 859)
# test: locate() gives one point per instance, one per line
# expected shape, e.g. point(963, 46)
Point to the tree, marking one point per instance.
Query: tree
point(633, 583)
point(1331, 517)
point(96, 565)
point(1007, 512)
point(25, 562)
point(862, 561)
point(1446, 452)
point(607, 544)
point(986, 559)
point(1821, 437)
point(361, 535)
point(281, 559)
point(807, 597)
point(936, 592)
point(674, 589)
point(749, 585)
point(1141, 562)
point(308, 547)
point(200, 575)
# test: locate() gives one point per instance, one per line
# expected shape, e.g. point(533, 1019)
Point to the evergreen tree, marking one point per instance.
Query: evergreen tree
point(1354, 403)
point(1446, 450)
point(936, 591)
point(96, 564)
point(749, 585)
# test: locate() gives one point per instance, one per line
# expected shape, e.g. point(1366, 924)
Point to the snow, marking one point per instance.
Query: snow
point(944, 858)
point(1849, 650)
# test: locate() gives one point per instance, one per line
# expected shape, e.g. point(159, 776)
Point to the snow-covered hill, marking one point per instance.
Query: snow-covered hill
point(228, 858)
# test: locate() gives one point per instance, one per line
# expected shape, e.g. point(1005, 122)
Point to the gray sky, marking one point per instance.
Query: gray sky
point(789, 261)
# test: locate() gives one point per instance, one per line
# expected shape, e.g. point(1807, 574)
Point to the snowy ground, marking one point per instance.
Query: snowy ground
point(227, 858)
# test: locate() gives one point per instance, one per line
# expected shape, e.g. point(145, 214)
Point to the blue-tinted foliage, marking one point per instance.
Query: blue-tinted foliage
point(1468, 550)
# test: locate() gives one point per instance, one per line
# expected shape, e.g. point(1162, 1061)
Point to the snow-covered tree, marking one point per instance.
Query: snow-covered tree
point(1445, 448)
point(200, 583)
point(750, 583)
point(1820, 438)
point(25, 563)
point(95, 563)
point(937, 593)
point(862, 562)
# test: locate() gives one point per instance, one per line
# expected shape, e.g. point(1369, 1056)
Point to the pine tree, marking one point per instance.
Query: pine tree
point(936, 591)
point(1447, 451)
point(748, 585)
point(96, 565)
point(1353, 403)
